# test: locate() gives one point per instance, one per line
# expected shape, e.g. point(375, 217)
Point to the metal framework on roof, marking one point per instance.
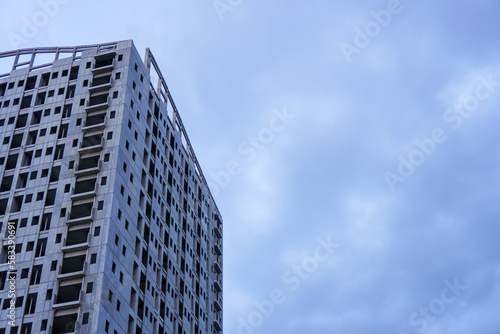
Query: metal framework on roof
point(21, 61)
point(26, 58)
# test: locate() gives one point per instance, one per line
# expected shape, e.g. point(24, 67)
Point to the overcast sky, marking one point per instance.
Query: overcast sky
point(352, 148)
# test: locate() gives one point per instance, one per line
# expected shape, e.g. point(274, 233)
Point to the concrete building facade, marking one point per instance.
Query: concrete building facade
point(107, 224)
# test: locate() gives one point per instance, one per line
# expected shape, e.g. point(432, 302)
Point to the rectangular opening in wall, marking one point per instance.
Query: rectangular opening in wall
point(30, 83)
point(81, 210)
point(75, 237)
point(64, 323)
point(40, 98)
point(3, 87)
point(36, 273)
point(72, 264)
point(83, 186)
point(74, 73)
point(26, 101)
point(93, 140)
point(44, 80)
point(68, 293)
point(17, 204)
point(104, 60)
point(21, 121)
point(6, 183)
point(40, 247)
point(50, 198)
point(70, 92)
point(16, 141)
point(22, 180)
point(3, 205)
point(95, 119)
point(88, 162)
point(102, 80)
point(35, 119)
point(54, 173)
point(98, 99)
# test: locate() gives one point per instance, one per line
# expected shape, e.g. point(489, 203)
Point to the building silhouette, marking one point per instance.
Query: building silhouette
point(107, 224)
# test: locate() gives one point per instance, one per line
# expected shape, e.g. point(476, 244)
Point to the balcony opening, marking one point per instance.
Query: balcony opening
point(106, 79)
point(68, 293)
point(95, 119)
point(73, 264)
point(64, 324)
point(89, 162)
point(76, 237)
point(98, 99)
point(84, 186)
point(104, 61)
point(93, 140)
point(81, 210)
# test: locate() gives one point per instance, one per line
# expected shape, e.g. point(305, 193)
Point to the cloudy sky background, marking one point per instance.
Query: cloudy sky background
point(428, 75)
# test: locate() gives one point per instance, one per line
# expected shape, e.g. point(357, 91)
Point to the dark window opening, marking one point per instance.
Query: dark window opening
point(30, 83)
point(89, 162)
point(6, 183)
point(98, 99)
point(85, 186)
point(95, 119)
point(40, 98)
point(44, 81)
point(50, 198)
point(64, 323)
point(76, 237)
point(70, 92)
point(21, 121)
point(103, 61)
point(72, 264)
point(106, 79)
point(81, 210)
point(74, 73)
point(36, 273)
point(16, 141)
point(26, 102)
point(90, 141)
point(68, 293)
point(11, 162)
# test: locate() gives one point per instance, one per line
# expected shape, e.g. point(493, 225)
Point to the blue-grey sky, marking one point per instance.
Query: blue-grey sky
point(350, 147)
